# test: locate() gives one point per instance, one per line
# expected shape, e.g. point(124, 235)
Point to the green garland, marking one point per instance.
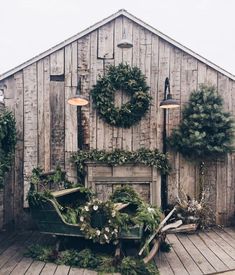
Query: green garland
point(119, 157)
point(130, 80)
point(90, 258)
point(7, 143)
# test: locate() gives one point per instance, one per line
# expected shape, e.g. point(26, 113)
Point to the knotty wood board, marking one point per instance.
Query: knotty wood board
point(48, 269)
point(185, 258)
point(199, 259)
point(162, 264)
point(30, 124)
point(217, 264)
point(35, 268)
point(217, 250)
point(62, 270)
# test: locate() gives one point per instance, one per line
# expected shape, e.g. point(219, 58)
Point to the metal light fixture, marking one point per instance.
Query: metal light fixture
point(1, 95)
point(168, 102)
point(125, 43)
point(79, 101)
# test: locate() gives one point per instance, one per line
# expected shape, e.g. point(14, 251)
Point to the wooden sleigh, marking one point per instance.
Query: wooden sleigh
point(49, 220)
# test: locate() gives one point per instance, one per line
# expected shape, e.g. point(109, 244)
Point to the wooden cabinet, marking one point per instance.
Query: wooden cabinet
point(103, 179)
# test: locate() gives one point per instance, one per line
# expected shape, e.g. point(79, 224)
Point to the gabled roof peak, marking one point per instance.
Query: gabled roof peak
point(105, 21)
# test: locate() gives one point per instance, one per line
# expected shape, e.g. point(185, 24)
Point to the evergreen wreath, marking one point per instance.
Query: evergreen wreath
point(103, 231)
point(130, 80)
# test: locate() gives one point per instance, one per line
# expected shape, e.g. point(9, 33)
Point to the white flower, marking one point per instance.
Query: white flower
point(106, 229)
point(95, 207)
point(150, 209)
point(109, 221)
point(199, 207)
point(113, 213)
point(115, 230)
point(98, 232)
point(81, 219)
point(106, 237)
point(86, 208)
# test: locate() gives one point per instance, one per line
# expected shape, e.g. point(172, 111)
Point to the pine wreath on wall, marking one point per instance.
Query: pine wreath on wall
point(130, 80)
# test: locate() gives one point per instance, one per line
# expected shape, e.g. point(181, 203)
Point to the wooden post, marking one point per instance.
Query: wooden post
point(2, 107)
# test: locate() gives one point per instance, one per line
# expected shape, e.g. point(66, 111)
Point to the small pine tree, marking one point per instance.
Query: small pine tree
point(206, 131)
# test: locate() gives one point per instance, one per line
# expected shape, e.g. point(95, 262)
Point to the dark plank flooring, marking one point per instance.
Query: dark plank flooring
point(210, 252)
point(12, 260)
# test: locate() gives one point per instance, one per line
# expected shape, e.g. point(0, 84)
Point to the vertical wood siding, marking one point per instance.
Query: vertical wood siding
point(47, 125)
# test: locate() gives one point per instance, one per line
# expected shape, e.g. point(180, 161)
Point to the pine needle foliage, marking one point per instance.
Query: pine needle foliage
point(206, 131)
point(7, 143)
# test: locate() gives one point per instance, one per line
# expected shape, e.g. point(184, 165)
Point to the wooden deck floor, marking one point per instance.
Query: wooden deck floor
point(204, 253)
point(12, 260)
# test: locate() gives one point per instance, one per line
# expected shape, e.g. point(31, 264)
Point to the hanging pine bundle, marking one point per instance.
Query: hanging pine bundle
point(206, 131)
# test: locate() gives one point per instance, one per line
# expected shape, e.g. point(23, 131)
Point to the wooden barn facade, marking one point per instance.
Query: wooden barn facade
point(37, 92)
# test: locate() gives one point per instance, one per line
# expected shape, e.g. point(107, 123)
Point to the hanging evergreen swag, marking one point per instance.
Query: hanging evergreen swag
point(7, 142)
point(133, 83)
point(206, 130)
point(120, 157)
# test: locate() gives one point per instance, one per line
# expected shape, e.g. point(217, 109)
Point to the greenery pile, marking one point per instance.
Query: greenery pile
point(86, 258)
point(120, 157)
point(165, 247)
point(138, 212)
point(133, 83)
point(7, 143)
point(39, 193)
point(56, 179)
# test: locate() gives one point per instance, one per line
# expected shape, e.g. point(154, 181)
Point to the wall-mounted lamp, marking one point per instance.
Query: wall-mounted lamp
point(167, 103)
point(1, 95)
point(125, 43)
point(79, 101)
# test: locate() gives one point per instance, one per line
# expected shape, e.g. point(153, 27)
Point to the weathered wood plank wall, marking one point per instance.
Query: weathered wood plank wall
point(47, 125)
point(2, 107)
